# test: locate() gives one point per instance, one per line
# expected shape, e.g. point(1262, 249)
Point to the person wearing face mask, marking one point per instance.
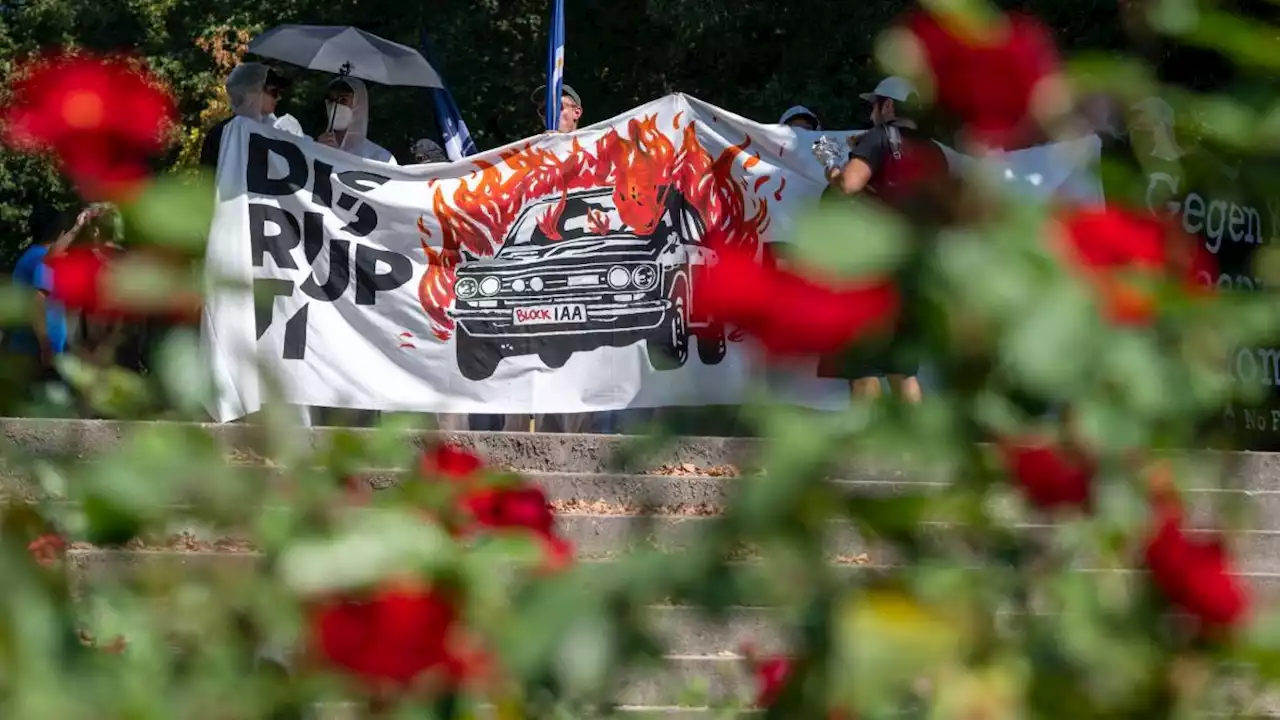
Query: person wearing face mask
point(254, 91)
point(347, 114)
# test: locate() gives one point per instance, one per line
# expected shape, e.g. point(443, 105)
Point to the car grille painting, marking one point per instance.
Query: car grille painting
point(551, 253)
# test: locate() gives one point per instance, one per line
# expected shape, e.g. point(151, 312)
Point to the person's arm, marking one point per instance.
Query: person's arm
point(65, 239)
point(852, 178)
point(868, 155)
point(39, 314)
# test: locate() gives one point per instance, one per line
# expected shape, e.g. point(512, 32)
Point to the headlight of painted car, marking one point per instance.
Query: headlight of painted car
point(465, 287)
point(619, 277)
point(645, 277)
point(490, 285)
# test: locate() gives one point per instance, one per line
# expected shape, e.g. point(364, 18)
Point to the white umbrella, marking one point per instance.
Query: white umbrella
point(347, 51)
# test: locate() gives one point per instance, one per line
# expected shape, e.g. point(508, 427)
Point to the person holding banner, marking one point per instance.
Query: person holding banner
point(570, 107)
point(894, 163)
point(254, 91)
point(800, 117)
point(347, 108)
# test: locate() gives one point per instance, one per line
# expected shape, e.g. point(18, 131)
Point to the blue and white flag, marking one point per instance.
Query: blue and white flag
point(457, 139)
point(453, 130)
point(555, 65)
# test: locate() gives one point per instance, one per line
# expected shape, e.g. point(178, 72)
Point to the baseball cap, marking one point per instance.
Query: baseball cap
point(799, 111)
point(541, 93)
point(894, 88)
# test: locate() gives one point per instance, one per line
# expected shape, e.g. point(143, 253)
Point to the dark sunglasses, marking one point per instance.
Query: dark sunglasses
point(274, 92)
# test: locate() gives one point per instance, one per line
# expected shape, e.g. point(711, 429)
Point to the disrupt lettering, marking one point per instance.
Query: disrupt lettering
point(276, 231)
point(1214, 220)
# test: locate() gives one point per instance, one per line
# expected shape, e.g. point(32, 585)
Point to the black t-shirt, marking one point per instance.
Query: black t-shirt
point(908, 170)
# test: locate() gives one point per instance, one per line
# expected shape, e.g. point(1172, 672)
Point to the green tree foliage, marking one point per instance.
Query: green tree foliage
point(755, 57)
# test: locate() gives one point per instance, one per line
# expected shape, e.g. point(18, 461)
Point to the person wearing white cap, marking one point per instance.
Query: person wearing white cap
point(895, 164)
point(800, 117)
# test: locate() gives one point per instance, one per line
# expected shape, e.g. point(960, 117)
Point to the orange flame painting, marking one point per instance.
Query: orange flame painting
point(475, 211)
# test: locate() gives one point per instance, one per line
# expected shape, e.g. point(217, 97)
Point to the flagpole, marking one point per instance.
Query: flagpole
point(555, 65)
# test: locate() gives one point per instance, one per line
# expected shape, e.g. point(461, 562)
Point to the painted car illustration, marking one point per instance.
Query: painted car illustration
point(599, 284)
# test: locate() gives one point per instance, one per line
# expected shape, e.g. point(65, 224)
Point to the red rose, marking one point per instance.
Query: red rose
point(1048, 475)
point(1194, 574)
point(771, 679)
point(394, 637)
point(558, 553)
point(790, 314)
point(47, 549)
point(451, 462)
point(78, 279)
point(104, 119)
point(522, 507)
point(1017, 49)
point(1112, 246)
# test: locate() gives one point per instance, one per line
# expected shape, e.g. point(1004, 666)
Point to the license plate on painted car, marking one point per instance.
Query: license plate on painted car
point(549, 314)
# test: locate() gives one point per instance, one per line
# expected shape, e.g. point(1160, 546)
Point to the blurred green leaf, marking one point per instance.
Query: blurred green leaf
point(585, 654)
point(184, 370)
point(1051, 346)
point(849, 241)
point(173, 211)
point(368, 545)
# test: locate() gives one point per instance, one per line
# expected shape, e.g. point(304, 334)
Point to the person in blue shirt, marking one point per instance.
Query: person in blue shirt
point(46, 336)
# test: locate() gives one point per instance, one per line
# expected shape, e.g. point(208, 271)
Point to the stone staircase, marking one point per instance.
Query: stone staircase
point(598, 511)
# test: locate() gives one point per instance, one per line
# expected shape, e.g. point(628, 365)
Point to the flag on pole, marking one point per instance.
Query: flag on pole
point(453, 130)
point(555, 64)
point(457, 139)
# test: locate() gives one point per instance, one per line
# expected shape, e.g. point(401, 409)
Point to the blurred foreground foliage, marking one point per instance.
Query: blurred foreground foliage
point(980, 601)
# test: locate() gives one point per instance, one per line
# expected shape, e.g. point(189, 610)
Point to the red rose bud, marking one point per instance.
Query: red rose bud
point(559, 554)
point(450, 462)
point(771, 675)
point(790, 314)
point(1112, 247)
point(392, 638)
point(524, 507)
point(1195, 574)
point(1017, 48)
point(47, 549)
point(1047, 474)
point(77, 279)
point(103, 117)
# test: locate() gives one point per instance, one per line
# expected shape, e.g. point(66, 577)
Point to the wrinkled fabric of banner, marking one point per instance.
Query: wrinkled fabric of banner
point(557, 274)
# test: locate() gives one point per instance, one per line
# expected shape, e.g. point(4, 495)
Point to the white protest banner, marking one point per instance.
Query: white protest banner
point(557, 274)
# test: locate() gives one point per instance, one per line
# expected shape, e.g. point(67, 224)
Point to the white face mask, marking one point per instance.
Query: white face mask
point(341, 114)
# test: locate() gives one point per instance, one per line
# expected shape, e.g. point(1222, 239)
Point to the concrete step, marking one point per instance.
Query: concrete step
point(91, 566)
point(546, 452)
point(689, 494)
point(599, 529)
point(85, 439)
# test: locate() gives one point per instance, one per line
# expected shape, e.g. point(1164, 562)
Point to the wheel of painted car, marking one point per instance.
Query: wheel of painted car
point(555, 358)
point(477, 357)
point(670, 350)
point(712, 345)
